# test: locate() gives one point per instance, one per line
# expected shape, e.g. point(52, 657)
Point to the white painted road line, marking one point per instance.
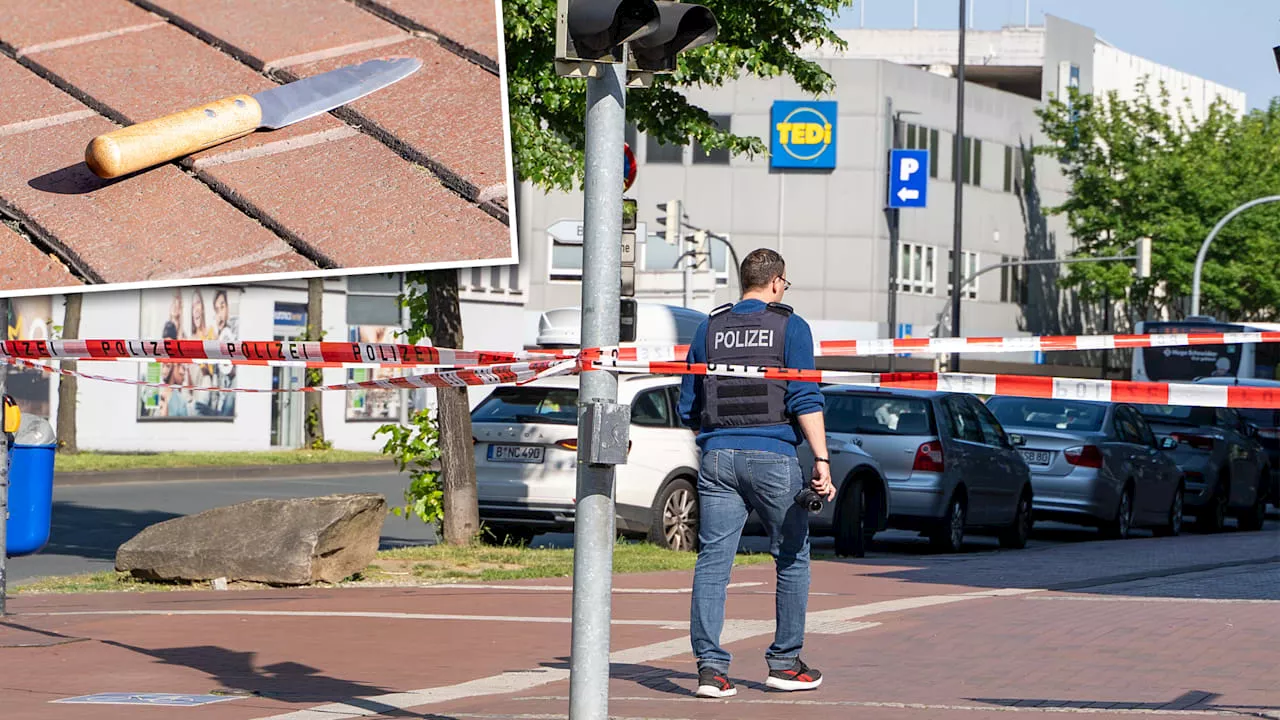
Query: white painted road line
point(734, 631)
point(1125, 598)
point(672, 624)
point(569, 588)
point(1220, 711)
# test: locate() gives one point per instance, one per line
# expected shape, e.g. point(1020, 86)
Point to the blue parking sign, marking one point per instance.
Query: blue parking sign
point(908, 178)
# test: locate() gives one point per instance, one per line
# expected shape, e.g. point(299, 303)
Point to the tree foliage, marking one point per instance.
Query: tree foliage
point(758, 37)
point(1143, 168)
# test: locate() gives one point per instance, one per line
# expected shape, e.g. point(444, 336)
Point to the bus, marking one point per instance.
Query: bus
point(1245, 361)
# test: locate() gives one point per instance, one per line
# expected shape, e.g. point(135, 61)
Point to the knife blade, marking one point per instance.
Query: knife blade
point(153, 142)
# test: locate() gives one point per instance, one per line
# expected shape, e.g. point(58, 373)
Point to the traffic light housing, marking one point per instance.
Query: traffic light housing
point(671, 222)
point(1144, 257)
point(1276, 49)
point(594, 31)
point(590, 33)
point(682, 26)
point(627, 312)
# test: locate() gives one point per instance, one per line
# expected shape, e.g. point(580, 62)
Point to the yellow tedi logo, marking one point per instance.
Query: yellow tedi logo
point(801, 137)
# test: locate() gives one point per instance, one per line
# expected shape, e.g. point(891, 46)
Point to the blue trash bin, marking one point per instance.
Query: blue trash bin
point(30, 487)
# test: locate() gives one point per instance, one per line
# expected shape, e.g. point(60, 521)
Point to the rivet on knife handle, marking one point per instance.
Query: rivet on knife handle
point(153, 142)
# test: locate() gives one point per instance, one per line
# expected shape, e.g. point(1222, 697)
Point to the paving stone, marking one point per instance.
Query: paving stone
point(470, 24)
point(448, 114)
point(154, 225)
point(267, 34)
point(25, 24)
point(358, 204)
point(25, 267)
point(28, 97)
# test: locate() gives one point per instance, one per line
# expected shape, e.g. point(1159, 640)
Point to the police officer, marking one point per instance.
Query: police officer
point(748, 430)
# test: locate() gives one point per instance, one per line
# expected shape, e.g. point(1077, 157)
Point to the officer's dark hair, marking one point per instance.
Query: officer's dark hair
point(760, 267)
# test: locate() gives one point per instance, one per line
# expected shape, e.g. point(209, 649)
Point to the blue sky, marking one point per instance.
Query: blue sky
point(1227, 41)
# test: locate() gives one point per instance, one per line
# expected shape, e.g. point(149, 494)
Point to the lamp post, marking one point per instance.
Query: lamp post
point(1204, 247)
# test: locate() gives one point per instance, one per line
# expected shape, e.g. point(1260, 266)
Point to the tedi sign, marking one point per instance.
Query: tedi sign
point(803, 134)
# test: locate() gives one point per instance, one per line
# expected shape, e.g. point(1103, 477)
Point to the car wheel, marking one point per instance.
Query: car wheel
point(1213, 516)
point(1256, 515)
point(1173, 524)
point(1016, 535)
point(948, 535)
point(675, 525)
point(850, 531)
point(1119, 527)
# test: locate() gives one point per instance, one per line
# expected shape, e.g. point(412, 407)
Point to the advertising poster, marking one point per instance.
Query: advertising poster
point(30, 319)
point(202, 313)
point(374, 404)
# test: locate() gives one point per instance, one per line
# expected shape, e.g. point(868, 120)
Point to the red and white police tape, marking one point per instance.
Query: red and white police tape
point(458, 368)
point(357, 354)
point(510, 373)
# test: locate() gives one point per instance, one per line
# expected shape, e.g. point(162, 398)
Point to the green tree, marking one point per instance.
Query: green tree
point(1143, 168)
point(756, 37)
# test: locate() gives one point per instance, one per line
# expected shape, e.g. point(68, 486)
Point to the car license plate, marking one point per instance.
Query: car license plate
point(1036, 457)
point(515, 453)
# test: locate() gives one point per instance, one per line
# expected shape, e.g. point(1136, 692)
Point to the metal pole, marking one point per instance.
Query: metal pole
point(593, 527)
point(957, 252)
point(1204, 247)
point(4, 471)
point(688, 271)
point(893, 217)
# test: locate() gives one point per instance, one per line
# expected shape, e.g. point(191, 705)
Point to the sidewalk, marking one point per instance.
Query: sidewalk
point(898, 637)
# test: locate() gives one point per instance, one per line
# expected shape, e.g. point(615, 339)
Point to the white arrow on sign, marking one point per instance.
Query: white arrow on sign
point(905, 194)
point(566, 232)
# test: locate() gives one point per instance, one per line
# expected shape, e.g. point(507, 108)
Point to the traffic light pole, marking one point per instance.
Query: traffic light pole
point(593, 527)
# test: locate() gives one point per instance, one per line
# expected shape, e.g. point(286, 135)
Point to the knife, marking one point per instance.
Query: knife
point(149, 143)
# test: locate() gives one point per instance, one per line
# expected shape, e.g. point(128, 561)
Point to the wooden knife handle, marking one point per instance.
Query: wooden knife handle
point(133, 148)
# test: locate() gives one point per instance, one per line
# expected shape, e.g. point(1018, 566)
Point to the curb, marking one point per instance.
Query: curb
point(224, 473)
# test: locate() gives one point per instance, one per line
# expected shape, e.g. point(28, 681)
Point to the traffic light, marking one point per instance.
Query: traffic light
point(1144, 257)
point(670, 222)
point(1277, 52)
point(682, 26)
point(593, 32)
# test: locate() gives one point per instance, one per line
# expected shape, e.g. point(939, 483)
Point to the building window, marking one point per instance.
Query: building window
point(661, 153)
point(970, 267)
point(713, 157)
point(919, 137)
point(1013, 282)
point(374, 299)
point(564, 262)
point(1014, 169)
point(917, 273)
point(971, 161)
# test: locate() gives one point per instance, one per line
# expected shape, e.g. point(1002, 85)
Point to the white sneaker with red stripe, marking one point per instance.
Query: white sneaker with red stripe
point(796, 677)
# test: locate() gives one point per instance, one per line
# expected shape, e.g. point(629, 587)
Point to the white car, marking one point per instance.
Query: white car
point(526, 461)
point(526, 468)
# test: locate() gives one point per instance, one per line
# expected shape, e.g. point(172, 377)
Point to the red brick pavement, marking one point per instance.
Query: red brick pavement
point(978, 653)
point(416, 173)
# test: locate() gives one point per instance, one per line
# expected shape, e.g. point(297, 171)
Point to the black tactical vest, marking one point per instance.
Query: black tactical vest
point(757, 338)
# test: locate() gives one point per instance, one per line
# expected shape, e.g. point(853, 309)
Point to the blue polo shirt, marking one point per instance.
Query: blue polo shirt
point(802, 398)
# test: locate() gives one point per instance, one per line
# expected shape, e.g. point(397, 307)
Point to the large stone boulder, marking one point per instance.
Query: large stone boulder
point(280, 542)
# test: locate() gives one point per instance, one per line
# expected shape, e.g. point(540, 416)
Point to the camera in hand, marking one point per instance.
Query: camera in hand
point(809, 500)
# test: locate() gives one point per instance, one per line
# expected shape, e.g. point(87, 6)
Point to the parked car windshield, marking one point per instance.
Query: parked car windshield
point(1048, 414)
point(529, 405)
point(877, 415)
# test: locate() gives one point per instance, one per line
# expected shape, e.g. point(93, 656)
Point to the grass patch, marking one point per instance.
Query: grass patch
point(99, 462)
point(419, 565)
point(483, 563)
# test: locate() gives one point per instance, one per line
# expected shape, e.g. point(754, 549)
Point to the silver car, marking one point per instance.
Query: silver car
point(1096, 464)
point(949, 467)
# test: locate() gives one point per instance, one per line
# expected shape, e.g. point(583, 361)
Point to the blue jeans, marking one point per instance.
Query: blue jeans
point(732, 483)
